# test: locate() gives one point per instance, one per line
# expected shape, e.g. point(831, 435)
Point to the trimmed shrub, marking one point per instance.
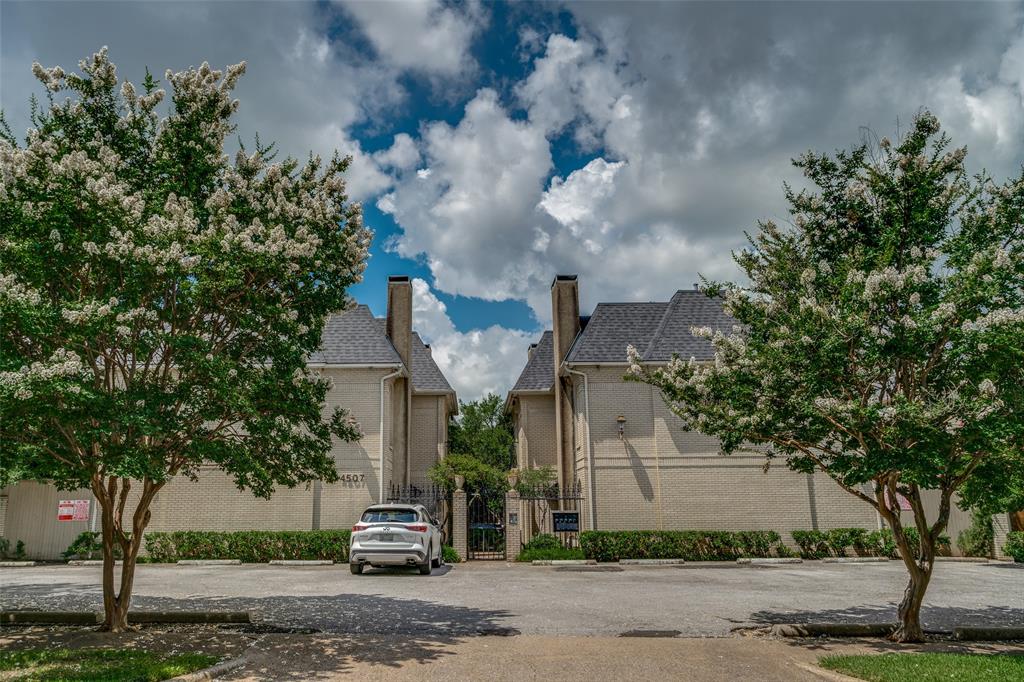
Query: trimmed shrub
point(250, 546)
point(449, 555)
point(691, 545)
point(547, 546)
point(979, 539)
point(1015, 545)
point(818, 544)
point(89, 545)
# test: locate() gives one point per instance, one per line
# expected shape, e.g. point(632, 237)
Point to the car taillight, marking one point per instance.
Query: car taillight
point(358, 527)
point(417, 529)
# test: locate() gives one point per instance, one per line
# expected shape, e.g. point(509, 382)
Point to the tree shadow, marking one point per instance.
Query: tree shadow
point(352, 628)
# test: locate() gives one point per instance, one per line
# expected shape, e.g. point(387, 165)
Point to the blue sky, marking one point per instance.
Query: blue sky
point(495, 145)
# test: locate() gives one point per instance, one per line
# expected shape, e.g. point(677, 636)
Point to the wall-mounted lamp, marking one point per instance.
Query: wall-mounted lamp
point(622, 426)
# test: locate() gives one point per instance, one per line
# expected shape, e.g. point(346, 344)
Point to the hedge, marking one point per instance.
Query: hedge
point(547, 546)
point(250, 546)
point(1015, 545)
point(691, 545)
point(818, 544)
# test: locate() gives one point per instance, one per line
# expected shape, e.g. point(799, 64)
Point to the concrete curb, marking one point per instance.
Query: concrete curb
point(90, 562)
point(209, 562)
point(833, 629)
point(140, 617)
point(563, 562)
point(983, 634)
point(16, 564)
point(964, 559)
point(301, 562)
point(770, 561)
point(826, 674)
point(854, 560)
point(651, 562)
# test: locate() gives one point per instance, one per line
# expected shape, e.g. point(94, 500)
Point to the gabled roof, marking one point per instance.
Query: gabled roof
point(657, 330)
point(356, 337)
point(353, 337)
point(539, 373)
point(426, 375)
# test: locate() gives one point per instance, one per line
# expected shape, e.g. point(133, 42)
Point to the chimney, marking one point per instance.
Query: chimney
point(529, 353)
point(565, 314)
point(399, 320)
point(427, 346)
point(565, 322)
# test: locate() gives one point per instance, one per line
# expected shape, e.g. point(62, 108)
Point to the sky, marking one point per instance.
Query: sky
point(497, 145)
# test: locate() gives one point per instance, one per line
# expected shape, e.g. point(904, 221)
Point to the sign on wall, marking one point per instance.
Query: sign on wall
point(73, 510)
point(565, 521)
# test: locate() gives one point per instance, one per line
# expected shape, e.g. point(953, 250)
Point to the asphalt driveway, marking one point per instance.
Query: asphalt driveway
point(499, 598)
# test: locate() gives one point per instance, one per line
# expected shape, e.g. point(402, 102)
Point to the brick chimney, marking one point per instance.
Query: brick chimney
point(399, 319)
point(565, 323)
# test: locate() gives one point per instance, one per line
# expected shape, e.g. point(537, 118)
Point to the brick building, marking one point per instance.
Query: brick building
point(382, 373)
point(638, 469)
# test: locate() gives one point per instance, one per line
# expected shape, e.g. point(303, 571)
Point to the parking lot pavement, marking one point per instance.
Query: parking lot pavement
point(500, 598)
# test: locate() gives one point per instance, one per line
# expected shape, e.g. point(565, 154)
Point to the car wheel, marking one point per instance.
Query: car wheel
point(426, 566)
point(356, 568)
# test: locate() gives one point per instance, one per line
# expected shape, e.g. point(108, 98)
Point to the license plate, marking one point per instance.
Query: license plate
point(386, 538)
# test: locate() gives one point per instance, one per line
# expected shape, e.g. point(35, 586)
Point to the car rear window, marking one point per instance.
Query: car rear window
point(390, 516)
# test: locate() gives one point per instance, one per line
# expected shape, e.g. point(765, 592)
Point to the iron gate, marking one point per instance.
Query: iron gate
point(553, 510)
point(485, 521)
point(436, 499)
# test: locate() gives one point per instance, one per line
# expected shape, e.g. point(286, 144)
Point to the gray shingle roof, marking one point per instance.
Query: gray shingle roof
point(353, 337)
point(426, 375)
point(539, 373)
point(658, 330)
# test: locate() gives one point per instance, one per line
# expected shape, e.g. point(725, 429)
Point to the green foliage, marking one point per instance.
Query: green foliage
point(530, 481)
point(100, 665)
point(254, 546)
point(818, 544)
point(479, 475)
point(692, 545)
point(449, 555)
point(979, 539)
point(5, 550)
point(484, 430)
point(88, 545)
point(1015, 545)
point(928, 667)
point(546, 546)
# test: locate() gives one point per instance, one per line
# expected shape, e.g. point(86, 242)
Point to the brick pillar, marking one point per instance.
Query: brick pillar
point(460, 542)
point(1001, 530)
point(513, 525)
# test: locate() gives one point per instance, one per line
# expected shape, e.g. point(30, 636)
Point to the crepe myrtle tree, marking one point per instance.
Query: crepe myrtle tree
point(158, 301)
point(880, 338)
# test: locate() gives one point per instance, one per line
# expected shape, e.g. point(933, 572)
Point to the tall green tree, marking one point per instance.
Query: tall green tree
point(484, 430)
point(158, 301)
point(880, 338)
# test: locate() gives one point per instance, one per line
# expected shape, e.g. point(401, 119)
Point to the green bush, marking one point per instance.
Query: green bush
point(979, 538)
point(89, 545)
point(449, 555)
point(546, 546)
point(691, 545)
point(1015, 546)
point(255, 546)
point(818, 544)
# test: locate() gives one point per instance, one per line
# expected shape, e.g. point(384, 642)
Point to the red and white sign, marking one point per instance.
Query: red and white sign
point(73, 510)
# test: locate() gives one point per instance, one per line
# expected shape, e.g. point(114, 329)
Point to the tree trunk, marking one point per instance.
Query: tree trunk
point(909, 629)
point(112, 502)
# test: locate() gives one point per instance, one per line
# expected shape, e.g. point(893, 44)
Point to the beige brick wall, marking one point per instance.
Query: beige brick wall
point(429, 435)
point(535, 431)
point(659, 476)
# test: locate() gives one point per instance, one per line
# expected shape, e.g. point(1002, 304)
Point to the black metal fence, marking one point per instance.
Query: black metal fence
point(552, 509)
point(485, 524)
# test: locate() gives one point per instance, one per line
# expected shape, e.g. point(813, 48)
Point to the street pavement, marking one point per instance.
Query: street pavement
point(495, 598)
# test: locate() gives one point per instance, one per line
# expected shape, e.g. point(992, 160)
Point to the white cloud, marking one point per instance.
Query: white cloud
point(425, 35)
point(401, 155)
point(475, 362)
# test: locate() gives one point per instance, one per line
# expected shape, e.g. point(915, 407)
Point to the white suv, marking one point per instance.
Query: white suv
point(395, 535)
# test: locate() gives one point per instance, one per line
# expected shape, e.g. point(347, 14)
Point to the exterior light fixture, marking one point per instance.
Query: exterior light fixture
point(622, 426)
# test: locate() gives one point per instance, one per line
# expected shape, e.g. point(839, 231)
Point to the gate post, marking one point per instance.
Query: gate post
point(459, 540)
point(513, 539)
